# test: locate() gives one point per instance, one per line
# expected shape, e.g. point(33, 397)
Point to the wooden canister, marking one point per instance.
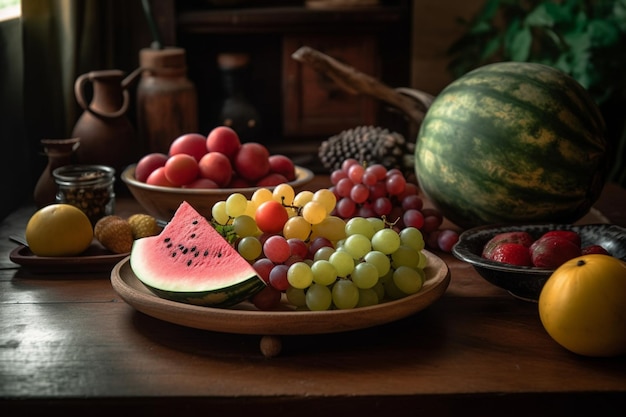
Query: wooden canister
point(166, 99)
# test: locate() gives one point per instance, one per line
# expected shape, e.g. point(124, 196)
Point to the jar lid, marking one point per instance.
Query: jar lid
point(83, 174)
point(162, 58)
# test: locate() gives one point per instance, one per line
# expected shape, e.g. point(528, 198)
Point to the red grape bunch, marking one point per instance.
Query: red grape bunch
point(375, 191)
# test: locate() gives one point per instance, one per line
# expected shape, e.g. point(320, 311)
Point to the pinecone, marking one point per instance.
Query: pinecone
point(369, 145)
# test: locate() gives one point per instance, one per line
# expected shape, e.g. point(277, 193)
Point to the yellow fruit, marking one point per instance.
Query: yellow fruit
point(143, 225)
point(583, 305)
point(114, 233)
point(59, 230)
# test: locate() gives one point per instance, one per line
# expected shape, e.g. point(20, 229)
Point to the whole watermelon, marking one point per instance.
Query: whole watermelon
point(512, 143)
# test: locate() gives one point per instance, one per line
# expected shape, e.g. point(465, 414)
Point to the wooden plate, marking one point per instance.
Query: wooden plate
point(246, 319)
point(94, 259)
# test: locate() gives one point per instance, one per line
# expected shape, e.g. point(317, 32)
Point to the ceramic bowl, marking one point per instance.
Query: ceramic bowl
point(162, 202)
point(526, 282)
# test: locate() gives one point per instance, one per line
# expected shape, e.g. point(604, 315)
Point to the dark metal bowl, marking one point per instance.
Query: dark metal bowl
point(523, 281)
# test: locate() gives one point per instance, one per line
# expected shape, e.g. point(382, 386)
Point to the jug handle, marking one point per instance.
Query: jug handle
point(79, 87)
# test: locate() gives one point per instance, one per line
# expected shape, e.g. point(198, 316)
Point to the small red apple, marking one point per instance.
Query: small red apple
point(252, 161)
point(225, 140)
point(157, 177)
point(193, 144)
point(283, 165)
point(149, 163)
point(217, 167)
point(202, 183)
point(271, 180)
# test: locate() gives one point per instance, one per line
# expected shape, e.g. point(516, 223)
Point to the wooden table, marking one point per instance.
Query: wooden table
point(69, 343)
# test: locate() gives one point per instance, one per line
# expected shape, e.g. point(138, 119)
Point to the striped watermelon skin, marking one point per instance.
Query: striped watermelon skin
point(512, 143)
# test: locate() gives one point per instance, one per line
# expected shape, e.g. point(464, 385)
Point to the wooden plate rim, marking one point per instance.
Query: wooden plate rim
point(245, 319)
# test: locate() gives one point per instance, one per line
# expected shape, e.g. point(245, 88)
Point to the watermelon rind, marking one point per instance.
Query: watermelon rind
point(190, 262)
point(512, 142)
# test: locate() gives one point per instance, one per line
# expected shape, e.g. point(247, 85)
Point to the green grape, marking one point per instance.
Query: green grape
point(218, 211)
point(379, 260)
point(324, 273)
point(387, 277)
point(405, 256)
point(296, 227)
point(284, 193)
point(408, 280)
point(379, 289)
point(296, 296)
point(300, 275)
point(260, 196)
point(314, 212)
point(423, 261)
point(392, 291)
point(345, 294)
point(412, 237)
point(323, 253)
point(386, 240)
point(245, 225)
point(367, 297)
point(325, 197)
point(250, 248)
point(236, 204)
point(365, 275)
point(343, 262)
point(332, 228)
point(318, 297)
point(250, 208)
point(359, 226)
point(357, 246)
point(302, 198)
point(377, 222)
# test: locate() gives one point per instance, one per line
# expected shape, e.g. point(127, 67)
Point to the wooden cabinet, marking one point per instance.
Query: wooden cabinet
point(314, 105)
point(298, 106)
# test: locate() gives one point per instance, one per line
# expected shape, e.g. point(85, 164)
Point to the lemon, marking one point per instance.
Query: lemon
point(583, 305)
point(59, 230)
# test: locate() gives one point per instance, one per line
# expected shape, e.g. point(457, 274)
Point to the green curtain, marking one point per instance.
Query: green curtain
point(63, 39)
point(53, 43)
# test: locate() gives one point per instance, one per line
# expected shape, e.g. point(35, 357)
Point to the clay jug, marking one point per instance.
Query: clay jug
point(59, 153)
point(106, 135)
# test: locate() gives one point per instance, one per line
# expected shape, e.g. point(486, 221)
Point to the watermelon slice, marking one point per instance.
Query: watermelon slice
point(190, 262)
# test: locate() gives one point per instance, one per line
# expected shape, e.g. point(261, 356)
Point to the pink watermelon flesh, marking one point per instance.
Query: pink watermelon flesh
point(189, 256)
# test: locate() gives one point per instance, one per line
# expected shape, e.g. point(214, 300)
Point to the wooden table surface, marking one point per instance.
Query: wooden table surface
point(69, 343)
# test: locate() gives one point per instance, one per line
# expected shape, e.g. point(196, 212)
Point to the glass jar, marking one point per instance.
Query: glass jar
point(88, 187)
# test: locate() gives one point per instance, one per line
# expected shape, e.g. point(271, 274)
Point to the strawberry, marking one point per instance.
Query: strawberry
point(565, 234)
point(594, 249)
point(552, 251)
point(522, 238)
point(512, 253)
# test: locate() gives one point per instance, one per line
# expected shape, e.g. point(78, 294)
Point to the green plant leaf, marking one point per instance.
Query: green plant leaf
point(539, 17)
point(603, 33)
point(519, 49)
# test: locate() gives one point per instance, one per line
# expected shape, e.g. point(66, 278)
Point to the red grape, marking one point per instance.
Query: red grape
point(447, 239)
point(276, 249)
point(267, 299)
point(263, 266)
point(278, 277)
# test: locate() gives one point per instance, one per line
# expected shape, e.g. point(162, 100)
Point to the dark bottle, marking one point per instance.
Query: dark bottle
point(237, 111)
